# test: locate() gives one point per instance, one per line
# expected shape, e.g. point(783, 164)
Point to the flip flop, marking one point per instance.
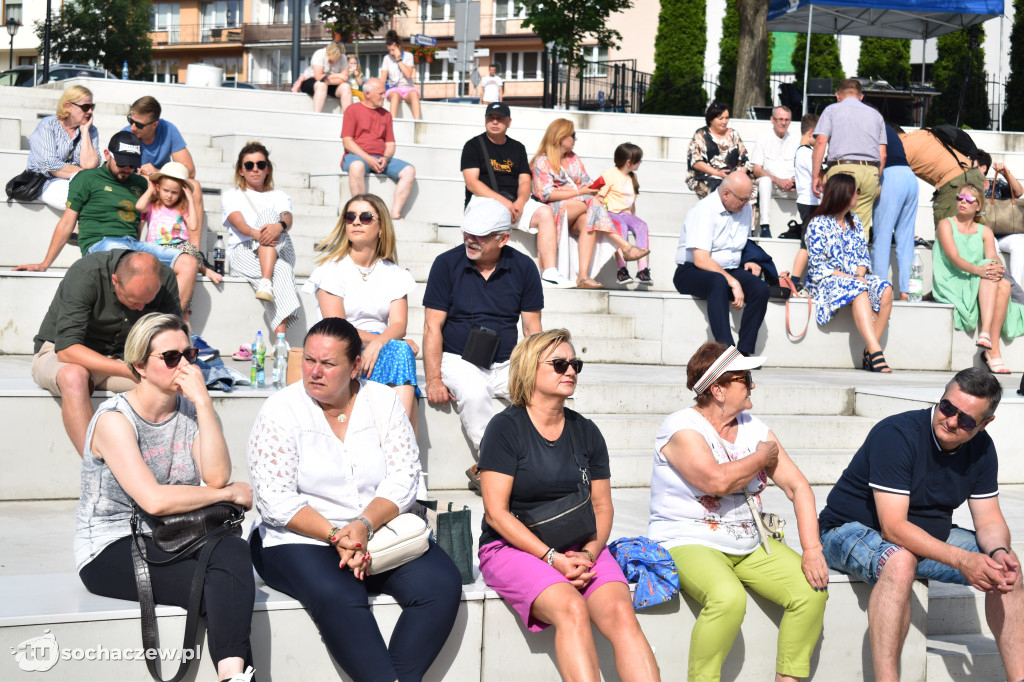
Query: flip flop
point(243, 353)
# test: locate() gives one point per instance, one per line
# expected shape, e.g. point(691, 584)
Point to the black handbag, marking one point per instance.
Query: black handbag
point(25, 186)
point(181, 535)
point(568, 520)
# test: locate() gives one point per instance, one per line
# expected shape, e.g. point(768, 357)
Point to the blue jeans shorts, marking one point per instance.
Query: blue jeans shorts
point(165, 254)
point(857, 550)
point(394, 167)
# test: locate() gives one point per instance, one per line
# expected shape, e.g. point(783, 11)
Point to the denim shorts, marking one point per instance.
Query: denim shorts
point(857, 550)
point(165, 254)
point(394, 167)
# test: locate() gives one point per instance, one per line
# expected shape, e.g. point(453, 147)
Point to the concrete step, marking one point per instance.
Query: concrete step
point(955, 658)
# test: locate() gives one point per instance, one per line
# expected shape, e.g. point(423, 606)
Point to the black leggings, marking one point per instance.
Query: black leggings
point(227, 597)
point(428, 589)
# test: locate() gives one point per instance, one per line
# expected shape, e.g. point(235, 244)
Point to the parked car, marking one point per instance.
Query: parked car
point(240, 85)
point(31, 75)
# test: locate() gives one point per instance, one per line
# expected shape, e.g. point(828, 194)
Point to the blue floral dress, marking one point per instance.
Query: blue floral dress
point(831, 247)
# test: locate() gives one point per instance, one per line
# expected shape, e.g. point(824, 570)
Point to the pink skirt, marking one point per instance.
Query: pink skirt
point(402, 90)
point(519, 578)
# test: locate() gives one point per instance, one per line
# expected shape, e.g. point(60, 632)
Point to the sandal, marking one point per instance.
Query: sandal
point(984, 341)
point(877, 363)
point(995, 365)
point(588, 283)
point(243, 353)
point(865, 361)
point(634, 253)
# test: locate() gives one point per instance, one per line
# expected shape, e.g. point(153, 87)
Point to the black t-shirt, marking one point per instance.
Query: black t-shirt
point(901, 456)
point(508, 160)
point(543, 471)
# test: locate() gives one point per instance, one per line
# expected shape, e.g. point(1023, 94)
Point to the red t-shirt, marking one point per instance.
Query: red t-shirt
point(369, 128)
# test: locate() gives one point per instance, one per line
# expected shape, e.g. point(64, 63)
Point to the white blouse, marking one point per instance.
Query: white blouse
point(295, 460)
point(682, 514)
point(267, 206)
point(368, 299)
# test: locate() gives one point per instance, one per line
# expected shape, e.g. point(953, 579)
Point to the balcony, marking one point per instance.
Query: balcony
point(196, 34)
point(282, 33)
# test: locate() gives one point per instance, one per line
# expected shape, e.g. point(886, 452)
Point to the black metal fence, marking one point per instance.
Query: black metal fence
point(609, 85)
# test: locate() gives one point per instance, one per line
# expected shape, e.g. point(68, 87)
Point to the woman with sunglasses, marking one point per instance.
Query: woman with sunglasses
point(837, 269)
point(151, 447)
point(258, 218)
point(967, 273)
point(64, 144)
point(711, 462)
point(359, 280)
point(535, 452)
point(561, 181)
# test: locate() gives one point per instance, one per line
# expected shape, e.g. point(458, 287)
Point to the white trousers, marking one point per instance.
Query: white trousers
point(765, 190)
point(1013, 246)
point(474, 390)
point(55, 193)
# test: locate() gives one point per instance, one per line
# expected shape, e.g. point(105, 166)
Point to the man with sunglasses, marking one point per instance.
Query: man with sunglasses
point(81, 339)
point(889, 519)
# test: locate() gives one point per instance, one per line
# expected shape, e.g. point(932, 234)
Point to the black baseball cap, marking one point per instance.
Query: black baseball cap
point(498, 109)
point(126, 148)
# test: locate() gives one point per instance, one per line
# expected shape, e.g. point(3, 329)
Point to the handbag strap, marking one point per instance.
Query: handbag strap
point(789, 328)
point(584, 471)
point(487, 158)
point(71, 154)
point(147, 608)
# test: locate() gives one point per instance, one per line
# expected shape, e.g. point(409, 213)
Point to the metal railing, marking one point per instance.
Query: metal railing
point(196, 34)
point(282, 33)
point(608, 85)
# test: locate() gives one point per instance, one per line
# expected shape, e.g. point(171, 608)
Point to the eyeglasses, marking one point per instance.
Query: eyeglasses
point(969, 198)
point(740, 199)
point(249, 165)
point(84, 107)
point(963, 420)
point(365, 218)
point(560, 365)
point(135, 124)
point(173, 357)
point(746, 378)
point(573, 136)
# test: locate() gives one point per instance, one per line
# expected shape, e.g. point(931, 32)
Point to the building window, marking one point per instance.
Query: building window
point(165, 70)
point(596, 58)
point(369, 64)
point(509, 9)
point(164, 16)
point(518, 66)
point(12, 10)
point(283, 11)
point(232, 66)
point(222, 14)
point(437, 10)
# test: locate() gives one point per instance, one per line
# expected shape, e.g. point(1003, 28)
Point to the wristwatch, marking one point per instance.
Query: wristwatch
point(284, 225)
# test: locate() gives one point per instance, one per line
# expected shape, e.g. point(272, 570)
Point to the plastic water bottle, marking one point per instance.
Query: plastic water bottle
point(218, 255)
point(124, 70)
point(916, 288)
point(258, 373)
point(280, 362)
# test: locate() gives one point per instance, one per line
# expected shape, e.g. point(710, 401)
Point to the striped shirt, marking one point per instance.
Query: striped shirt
point(50, 147)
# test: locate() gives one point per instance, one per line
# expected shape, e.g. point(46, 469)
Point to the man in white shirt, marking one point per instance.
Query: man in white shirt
point(491, 86)
point(773, 157)
point(709, 261)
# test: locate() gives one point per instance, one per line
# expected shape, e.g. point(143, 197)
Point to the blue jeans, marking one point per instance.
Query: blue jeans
point(857, 550)
point(896, 211)
point(394, 167)
point(164, 254)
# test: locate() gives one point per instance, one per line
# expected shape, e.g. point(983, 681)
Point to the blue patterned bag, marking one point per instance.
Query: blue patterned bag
point(650, 566)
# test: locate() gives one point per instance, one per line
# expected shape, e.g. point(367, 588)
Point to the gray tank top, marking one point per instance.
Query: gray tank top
point(104, 508)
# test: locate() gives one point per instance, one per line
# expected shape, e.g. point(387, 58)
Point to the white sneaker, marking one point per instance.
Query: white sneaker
point(242, 677)
point(265, 291)
point(553, 278)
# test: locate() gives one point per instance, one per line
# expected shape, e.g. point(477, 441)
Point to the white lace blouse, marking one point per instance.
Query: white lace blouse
point(295, 460)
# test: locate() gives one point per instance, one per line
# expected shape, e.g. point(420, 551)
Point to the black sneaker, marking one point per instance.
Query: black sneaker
point(623, 276)
point(644, 277)
point(766, 232)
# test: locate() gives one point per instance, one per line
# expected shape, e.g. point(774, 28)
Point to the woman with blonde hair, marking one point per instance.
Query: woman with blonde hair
point(535, 454)
point(561, 181)
point(967, 273)
point(359, 279)
point(63, 144)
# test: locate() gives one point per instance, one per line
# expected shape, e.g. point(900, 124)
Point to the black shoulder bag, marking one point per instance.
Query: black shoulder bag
point(181, 535)
point(490, 170)
point(569, 520)
point(27, 185)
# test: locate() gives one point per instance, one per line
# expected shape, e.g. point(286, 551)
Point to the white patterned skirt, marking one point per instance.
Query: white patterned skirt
point(244, 262)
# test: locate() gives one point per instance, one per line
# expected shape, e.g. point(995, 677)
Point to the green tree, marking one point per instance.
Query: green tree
point(824, 62)
point(567, 23)
point(728, 56)
point(677, 86)
point(109, 32)
point(885, 58)
point(751, 55)
point(355, 18)
point(960, 55)
point(1013, 116)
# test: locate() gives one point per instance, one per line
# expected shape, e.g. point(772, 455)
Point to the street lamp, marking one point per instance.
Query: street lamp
point(12, 29)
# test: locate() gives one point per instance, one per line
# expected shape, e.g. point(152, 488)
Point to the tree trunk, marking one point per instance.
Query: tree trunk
point(752, 56)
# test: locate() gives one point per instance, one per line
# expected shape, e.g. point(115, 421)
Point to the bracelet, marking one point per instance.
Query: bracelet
point(334, 531)
point(589, 554)
point(997, 549)
point(369, 527)
point(549, 556)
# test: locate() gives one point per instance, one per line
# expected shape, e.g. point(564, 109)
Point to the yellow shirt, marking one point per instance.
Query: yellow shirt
point(617, 193)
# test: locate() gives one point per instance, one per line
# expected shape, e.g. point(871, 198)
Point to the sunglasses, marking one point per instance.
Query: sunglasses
point(249, 165)
point(173, 357)
point(135, 124)
point(84, 107)
point(560, 365)
point(364, 218)
point(970, 199)
point(746, 378)
point(963, 420)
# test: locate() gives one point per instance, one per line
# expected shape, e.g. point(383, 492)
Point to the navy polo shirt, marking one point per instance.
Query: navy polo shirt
point(901, 456)
point(457, 287)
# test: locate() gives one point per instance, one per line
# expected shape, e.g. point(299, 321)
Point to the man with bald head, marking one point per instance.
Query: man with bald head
point(708, 261)
point(369, 140)
point(81, 339)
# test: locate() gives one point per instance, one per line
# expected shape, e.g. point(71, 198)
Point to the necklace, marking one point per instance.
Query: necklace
point(342, 417)
point(365, 272)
